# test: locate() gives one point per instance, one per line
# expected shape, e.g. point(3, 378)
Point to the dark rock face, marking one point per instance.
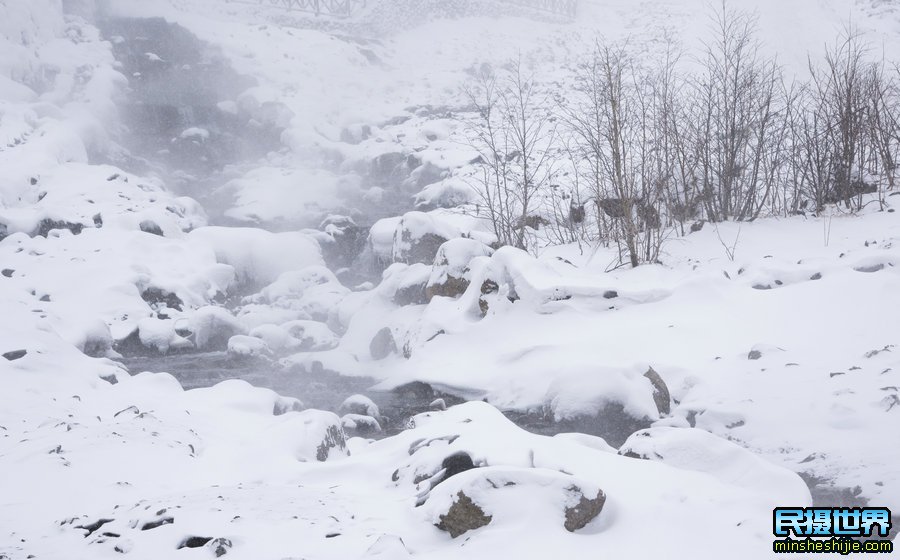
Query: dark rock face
point(421, 249)
point(151, 227)
point(585, 511)
point(451, 287)
point(383, 344)
point(194, 542)
point(334, 438)
point(15, 355)
point(93, 527)
point(754, 355)
point(661, 395)
point(47, 225)
point(456, 463)
point(8, 272)
point(220, 546)
point(158, 298)
point(414, 294)
point(359, 425)
point(348, 241)
point(488, 287)
point(157, 523)
point(463, 516)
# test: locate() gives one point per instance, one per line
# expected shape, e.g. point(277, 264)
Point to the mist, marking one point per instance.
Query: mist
point(334, 279)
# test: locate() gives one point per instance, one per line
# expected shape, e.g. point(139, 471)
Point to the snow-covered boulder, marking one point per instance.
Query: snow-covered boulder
point(360, 425)
point(243, 346)
point(259, 257)
point(211, 327)
point(312, 336)
point(493, 495)
point(383, 344)
point(418, 237)
point(312, 292)
point(450, 272)
point(361, 405)
point(698, 450)
point(404, 284)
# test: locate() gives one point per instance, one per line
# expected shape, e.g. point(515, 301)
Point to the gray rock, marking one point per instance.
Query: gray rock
point(463, 516)
point(383, 344)
point(661, 395)
point(585, 511)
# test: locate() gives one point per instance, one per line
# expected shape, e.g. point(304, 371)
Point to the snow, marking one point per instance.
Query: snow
point(259, 256)
point(780, 359)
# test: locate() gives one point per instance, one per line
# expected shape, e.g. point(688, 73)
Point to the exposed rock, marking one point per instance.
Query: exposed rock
point(194, 542)
point(449, 275)
point(661, 393)
point(15, 355)
point(754, 355)
point(456, 463)
point(415, 390)
point(151, 227)
point(158, 298)
point(451, 287)
point(418, 249)
point(610, 294)
point(411, 294)
point(220, 546)
point(92, 527)
point(8, 272)
point(47, 225)
point(463, 516)
point(488, 287)
point(418, 236)
point(383, 344)
point(870, 268)
point(157, 523)
point(335, 438)
point(360, 425)
point(585, 511)
point(348, 241)
point(285, 405)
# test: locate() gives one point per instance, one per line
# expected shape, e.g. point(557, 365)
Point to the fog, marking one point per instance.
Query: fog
point(333, 279)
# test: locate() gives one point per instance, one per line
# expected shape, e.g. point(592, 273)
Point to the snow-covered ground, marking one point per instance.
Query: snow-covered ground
point(775, 344)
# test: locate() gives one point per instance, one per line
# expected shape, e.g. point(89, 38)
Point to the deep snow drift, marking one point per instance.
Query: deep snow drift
point(708, 389)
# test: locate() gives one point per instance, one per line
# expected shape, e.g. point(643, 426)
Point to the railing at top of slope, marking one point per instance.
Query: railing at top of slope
point(346, 8)
point(562, 7)
point(334, 8)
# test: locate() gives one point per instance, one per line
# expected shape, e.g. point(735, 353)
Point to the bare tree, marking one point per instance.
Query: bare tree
point(513, 133)
point(737, 101)
point(615, 115)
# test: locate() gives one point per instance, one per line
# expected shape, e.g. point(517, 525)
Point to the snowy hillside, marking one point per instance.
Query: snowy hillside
point(278, 285)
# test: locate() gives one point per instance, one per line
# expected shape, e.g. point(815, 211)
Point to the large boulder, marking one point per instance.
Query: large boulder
point(383, 344)
point(450, 273)
point(476, 498)
point(419, 236)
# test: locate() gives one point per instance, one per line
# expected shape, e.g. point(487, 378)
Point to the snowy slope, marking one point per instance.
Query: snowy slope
point(780, 362)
